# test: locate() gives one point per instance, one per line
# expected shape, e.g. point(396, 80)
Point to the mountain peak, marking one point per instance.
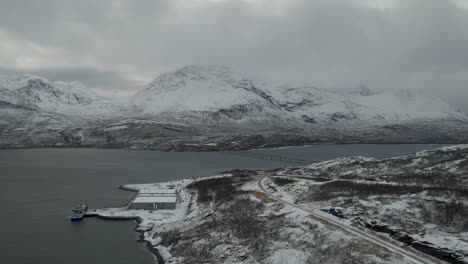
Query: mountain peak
point(58, 96)
point(192, 74)
point(22, 80)
point(218, 70)
point(200, 88)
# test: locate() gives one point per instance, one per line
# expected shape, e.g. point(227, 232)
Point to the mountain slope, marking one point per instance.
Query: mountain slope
point(213, 108)
point(316, 105)
point(61, 97)
point(209, 95)
point(218, 93)
point(200, 88)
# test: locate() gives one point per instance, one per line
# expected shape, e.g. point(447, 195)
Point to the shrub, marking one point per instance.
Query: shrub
point(214, 189)
point(170, 237)
point(453, 215)
point(282, 180)
point(439, 179)
point(194, 254)
point(241, 219)
point(343, 188)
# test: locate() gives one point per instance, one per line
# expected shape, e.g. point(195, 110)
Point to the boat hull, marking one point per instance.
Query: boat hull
point(78, 213)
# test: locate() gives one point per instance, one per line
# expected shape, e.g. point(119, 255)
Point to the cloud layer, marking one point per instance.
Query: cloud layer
point(117, 46)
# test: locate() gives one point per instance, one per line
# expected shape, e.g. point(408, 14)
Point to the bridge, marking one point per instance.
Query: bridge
point(265, 156)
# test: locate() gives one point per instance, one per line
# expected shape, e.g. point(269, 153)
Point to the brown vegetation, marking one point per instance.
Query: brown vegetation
point(315, 179)
point(343, 188)
point(452, 215)
point(240, 219)
point(261, 196)
point(436, 179)
point(281, 181)
point(220, 189)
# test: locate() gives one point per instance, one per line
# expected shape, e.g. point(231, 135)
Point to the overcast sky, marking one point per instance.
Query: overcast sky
point(118, 46)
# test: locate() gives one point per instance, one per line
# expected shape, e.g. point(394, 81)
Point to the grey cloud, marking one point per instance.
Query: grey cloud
point(417, 44)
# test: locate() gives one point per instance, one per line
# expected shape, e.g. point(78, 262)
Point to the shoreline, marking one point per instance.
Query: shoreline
point(423, 245)
point(141, 238)
point(138, 218)
point(230, 149)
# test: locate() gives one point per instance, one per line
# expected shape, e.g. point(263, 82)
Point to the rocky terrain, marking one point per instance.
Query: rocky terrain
point(418, 203)
point(419, 200)
point(214, 108)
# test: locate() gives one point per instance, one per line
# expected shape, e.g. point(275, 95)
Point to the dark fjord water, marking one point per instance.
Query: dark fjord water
point(39, 186)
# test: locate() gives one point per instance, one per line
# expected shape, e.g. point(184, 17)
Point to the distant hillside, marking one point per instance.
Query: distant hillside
point(213, 107)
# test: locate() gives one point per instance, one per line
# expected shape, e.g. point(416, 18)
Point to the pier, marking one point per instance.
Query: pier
point(264, 156)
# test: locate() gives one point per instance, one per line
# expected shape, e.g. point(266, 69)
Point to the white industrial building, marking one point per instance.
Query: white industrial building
point(154, 199)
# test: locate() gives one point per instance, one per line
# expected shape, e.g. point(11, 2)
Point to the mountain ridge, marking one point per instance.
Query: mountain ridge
point(37, 92)
point(199, 89)
point(212, 108)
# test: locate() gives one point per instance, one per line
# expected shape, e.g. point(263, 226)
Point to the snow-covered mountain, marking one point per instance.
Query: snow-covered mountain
point(201, 88)
point(211, 95)
point(212, 108)
point(36, 92)
point(316, 105)
point(219, 90)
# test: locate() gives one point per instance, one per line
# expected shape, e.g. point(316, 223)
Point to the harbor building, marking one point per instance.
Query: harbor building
point(154, 199)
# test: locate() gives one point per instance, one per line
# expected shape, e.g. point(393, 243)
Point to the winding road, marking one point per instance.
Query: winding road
point(330, 219)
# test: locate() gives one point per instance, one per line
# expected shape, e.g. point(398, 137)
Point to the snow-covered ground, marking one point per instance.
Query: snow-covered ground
point(149, 218)
point(199, 232)
point(415, 199)
point(228, 218)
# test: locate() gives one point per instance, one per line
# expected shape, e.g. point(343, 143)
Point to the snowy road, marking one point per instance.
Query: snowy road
point(330, 219)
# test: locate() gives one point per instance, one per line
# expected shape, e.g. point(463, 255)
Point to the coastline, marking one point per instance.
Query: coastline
point(141, 238)
point(134, 174)
point(204, 148)
point(233, 205)
point(139, 220)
